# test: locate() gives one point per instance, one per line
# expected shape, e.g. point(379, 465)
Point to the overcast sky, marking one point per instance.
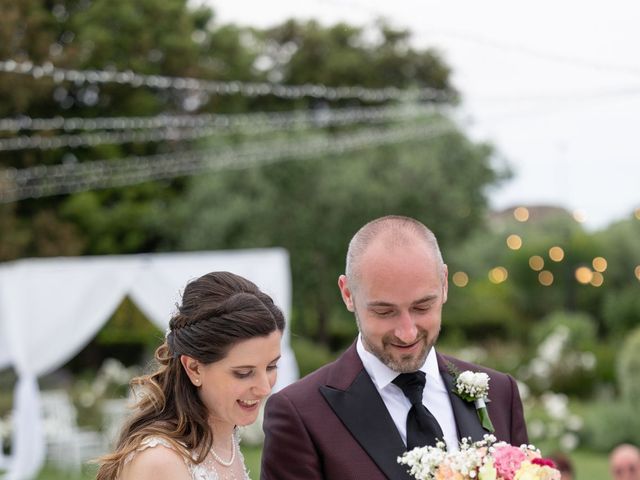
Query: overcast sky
point(555, 86)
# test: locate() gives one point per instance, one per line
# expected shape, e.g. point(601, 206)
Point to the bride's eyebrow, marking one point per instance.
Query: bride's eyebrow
point(253, 366)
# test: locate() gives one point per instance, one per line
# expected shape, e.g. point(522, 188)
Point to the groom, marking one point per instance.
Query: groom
point(351, 419)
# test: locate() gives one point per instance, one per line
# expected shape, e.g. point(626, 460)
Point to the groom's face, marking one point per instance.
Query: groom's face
point(397, 296)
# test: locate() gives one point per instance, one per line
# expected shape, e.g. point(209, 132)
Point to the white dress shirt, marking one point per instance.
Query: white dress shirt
point(434, 396)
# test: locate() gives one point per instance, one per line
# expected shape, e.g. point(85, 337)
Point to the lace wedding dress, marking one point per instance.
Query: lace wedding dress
point(210, 469)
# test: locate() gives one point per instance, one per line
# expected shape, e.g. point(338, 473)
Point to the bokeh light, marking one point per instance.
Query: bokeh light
point(536, 262)
point(556, 253)
point(584, 275)
point(498, 275)
point(599, 264)
point(460, 279)
point(579, 216)
point(637, 213)
point(521, 214)
point(597, 279)
point(637, 272)
point(545, 277)
point(514, 242)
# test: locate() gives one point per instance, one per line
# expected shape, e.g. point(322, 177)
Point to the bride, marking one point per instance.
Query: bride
point(216, 366)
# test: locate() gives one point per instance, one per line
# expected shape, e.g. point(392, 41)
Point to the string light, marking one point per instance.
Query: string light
point(545, 277)
point(185, 128)
point(318, 116)
point(460, 279)
point(246, 89)
point(45, 180)
point(536, 262)
point(498, 275)
point(556, 253)
point(521, 214)
point(599, 264)
point(514, 242)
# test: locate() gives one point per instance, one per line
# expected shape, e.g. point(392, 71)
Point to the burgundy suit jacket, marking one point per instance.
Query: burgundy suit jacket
point(333, 424)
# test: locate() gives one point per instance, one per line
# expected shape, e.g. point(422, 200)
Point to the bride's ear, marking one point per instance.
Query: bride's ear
point(193, 369)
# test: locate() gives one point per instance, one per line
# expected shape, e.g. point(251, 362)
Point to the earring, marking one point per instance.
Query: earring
point(197, 381)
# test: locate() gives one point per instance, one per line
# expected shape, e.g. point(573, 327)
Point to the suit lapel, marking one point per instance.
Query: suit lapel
point(465, 414)
point(362, 411)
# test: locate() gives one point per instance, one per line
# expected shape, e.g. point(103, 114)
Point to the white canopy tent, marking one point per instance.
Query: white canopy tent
point(51, 308)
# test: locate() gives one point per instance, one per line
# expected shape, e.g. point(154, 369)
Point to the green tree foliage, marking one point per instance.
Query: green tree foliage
point(313, 208)
point(146, 36)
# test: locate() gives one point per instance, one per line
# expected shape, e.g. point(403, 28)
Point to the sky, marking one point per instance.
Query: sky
point(554, 86)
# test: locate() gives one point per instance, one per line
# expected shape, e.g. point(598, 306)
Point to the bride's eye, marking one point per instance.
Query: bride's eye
point(242, 373)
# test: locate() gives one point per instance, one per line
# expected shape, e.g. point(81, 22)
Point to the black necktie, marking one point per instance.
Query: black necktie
point(422, 427)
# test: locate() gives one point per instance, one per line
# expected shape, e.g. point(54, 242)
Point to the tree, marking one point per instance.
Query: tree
point(100, 34)
point(313, 208)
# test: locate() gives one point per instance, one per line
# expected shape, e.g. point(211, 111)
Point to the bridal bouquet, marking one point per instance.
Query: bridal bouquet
point(483, 460)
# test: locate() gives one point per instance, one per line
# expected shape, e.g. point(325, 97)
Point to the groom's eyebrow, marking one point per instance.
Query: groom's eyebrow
point(382, 303)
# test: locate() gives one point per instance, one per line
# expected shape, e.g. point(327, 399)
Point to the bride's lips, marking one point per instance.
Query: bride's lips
point(248, 405)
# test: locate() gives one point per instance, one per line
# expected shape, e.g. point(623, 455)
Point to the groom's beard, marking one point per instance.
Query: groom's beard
point(395, 361)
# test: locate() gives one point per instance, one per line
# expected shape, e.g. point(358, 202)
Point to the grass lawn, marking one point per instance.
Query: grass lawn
point(590, 466)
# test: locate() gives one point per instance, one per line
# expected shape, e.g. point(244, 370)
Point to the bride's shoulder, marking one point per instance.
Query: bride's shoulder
point(158, 459)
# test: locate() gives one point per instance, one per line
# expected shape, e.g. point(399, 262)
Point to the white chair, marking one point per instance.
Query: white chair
point(68, 446)
point(114, 413)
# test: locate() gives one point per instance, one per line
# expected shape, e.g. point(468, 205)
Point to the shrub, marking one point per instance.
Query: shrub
point(309, 355)
point(564, 360)
point(628, 371)
point(607, 424)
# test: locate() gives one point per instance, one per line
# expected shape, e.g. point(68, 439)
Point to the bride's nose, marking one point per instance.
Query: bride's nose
point(262, 387)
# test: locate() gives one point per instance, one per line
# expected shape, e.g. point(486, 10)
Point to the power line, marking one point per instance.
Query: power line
point(484, 41)
point(247, 89)
point(41, 181)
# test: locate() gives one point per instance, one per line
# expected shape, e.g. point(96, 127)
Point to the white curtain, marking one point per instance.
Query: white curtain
point(51, 308)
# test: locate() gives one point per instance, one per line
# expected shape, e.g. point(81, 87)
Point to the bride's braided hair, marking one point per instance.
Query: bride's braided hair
point(218, 310)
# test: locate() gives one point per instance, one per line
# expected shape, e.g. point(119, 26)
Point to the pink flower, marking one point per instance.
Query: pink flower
point(544, 462)
point(507, 460)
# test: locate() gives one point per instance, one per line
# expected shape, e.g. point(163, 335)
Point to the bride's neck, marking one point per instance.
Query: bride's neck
point(222, 434)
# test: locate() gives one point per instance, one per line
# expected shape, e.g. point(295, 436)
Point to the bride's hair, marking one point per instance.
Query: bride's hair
point(218, 310)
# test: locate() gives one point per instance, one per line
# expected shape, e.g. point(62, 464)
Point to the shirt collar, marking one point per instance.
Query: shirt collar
point(381, 375)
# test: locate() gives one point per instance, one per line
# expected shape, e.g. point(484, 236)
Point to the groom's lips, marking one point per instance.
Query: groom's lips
point(406, 347)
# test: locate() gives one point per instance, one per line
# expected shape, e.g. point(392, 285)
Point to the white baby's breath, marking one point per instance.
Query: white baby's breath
point(472, 385)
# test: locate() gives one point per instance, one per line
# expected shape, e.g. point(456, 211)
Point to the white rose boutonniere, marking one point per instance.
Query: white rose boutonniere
point(474, 387)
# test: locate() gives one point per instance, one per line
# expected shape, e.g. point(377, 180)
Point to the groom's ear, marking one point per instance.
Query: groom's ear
point(345, 291)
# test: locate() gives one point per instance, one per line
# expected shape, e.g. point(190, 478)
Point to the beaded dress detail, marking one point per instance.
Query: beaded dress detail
point(209, 469)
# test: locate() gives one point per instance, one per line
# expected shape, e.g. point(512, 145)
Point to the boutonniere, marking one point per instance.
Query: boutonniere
point(473, 387)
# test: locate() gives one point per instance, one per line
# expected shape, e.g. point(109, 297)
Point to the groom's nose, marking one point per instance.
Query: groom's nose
point(406, 329)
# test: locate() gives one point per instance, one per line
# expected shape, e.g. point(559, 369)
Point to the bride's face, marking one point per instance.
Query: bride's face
point(233, 388)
